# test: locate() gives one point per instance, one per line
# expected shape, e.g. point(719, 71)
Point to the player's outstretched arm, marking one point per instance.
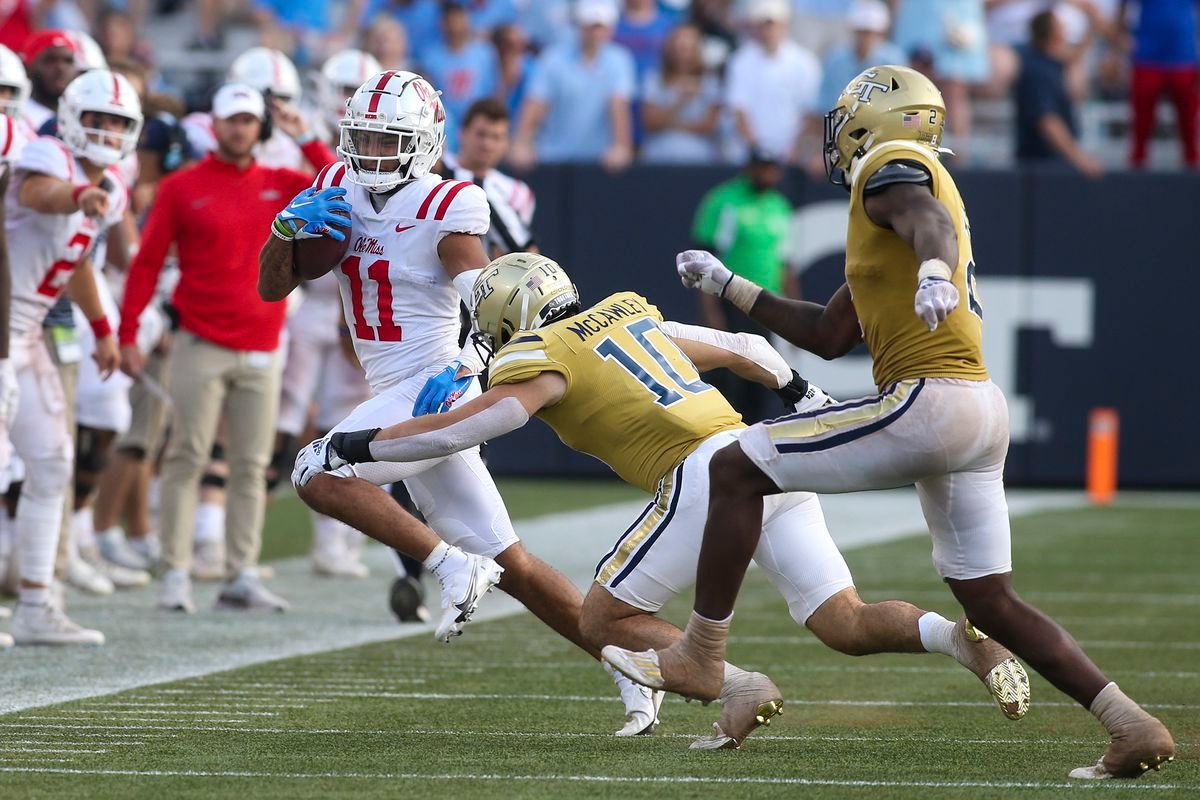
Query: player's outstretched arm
point(746, 355)
point(830, 330)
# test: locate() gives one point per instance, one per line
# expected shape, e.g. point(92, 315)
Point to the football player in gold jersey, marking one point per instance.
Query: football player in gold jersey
point(618, 382)
point(938, 422)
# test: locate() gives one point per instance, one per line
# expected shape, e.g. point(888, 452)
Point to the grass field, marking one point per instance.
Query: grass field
point(509, 710)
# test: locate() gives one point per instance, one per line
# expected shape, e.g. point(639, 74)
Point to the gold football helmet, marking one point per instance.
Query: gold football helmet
point(519, 292)
point(883, 104)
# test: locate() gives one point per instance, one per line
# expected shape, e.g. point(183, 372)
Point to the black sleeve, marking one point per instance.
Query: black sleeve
point(900, 171)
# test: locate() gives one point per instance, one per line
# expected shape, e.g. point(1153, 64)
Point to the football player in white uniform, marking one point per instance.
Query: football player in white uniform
point(414, 252)
point(62, 197)
point(316, 367)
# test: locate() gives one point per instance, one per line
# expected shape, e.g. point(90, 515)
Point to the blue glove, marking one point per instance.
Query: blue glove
point(441, 391)
point(312, 214)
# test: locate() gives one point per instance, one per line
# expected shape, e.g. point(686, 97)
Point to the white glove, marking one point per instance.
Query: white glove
point(699, 269)
point(313, 459)
point(936, 298)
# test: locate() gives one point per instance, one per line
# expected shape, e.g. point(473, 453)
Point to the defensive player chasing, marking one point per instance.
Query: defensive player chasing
point(617, 382)
point(415, 249)
point(938, 423)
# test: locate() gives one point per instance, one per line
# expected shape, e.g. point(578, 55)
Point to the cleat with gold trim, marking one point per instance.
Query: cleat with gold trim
point(993, 664)
point(1134, 750)
point(685, 676)
point(750, 700)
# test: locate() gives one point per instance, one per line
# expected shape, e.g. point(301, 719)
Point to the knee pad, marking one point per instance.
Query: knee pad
point(213, 481)
point(91, 449)
point(47, 477)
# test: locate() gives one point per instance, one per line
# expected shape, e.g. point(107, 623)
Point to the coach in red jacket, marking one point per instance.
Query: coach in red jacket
point(226, 356)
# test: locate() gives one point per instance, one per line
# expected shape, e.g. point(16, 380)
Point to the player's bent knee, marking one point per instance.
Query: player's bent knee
point(988, 598)
point(599, 613)
point(318, 492)
point(732, 473)
point(837, 623)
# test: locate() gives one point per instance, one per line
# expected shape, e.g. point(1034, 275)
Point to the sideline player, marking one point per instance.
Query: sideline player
point(63, 196)
point(939, 422)
point(618, 383)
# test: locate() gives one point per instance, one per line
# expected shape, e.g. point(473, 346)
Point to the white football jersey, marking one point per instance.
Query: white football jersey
point(280, 151)
point(512, 204)
point(400, 306)
point(13, 138)
point(44, 249)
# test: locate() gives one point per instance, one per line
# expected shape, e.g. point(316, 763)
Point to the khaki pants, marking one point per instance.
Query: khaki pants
point(206, 380)
point(148, 422)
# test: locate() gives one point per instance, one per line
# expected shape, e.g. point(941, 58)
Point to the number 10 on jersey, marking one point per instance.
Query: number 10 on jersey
point(377, 272)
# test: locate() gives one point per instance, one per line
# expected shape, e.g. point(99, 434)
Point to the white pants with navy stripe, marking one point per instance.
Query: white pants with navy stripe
point(948, 437)
point(656, 557)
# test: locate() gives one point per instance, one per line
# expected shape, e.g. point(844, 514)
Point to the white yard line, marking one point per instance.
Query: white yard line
point(146, 647)
point(614, 779)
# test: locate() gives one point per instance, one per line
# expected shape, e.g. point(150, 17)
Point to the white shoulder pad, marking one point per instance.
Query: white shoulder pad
point(48, 156)
point(467, 212)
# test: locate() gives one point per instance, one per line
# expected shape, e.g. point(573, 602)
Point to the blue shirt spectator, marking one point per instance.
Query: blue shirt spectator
point(420, 19)
point(1165, 34)
point(681, 104)
point(642, 29)
point(953, 30)
point(487, 15)
point(299, 15)
point(869, 21)
point(512, 54)
point(546, 22)
point(577, 105)
point(462, 67)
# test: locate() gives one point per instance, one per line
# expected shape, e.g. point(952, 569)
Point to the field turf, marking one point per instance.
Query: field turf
point(509, 710)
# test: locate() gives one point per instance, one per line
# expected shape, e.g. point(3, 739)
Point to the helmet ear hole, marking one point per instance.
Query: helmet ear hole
point(857, 134)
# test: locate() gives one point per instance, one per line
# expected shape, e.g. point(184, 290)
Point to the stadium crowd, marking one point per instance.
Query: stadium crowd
point(235, 384)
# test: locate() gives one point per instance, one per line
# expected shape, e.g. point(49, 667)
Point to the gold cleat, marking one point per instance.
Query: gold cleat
point(993, 664)
point(1127, 752)
point(750, 700)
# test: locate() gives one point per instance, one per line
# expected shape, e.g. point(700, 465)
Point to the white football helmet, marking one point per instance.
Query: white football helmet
point(269, 71)
point(340, 77)
point(103, 92)
point(88, 55)
point(12, 76)
point(393, 131)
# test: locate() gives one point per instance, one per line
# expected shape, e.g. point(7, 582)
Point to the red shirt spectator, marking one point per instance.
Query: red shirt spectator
point(218, 215)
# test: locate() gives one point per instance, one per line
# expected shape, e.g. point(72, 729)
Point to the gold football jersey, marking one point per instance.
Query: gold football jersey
point(881, 269)
point(633, 399)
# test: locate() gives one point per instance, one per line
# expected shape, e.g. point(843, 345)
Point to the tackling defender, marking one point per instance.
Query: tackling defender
point(938, 423)
point(617, 382)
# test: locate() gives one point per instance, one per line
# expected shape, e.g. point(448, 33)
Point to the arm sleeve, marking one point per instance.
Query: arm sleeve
point(157, 237)
point(490, 423)
point(749, 346)
point(468, 212)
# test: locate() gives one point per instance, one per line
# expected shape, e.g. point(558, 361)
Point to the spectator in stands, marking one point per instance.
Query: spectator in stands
point(718, 33)
point(772, 84)
point(577, 106)
point(1164, 61)
point(512, 53)
point(954, 31)
point(209, 30)
point(869, 24)
point(681, 104)
point(487, 15)
point(545, 22)
point(642, 29)
point(226, 357)
point(387, 41)
point(1047, 130)
point(746, 221)
point(418, 18)
point(462, 66)
point(305, 29)
point(118, 38)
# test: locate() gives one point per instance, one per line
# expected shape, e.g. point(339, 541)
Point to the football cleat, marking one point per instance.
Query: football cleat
point(407, 600)
point(685, 675)
point(247, 593)
point(86, 578)
point(1135, 749)
point(338, 565)
point(993, 664)
point(750, 699)
point(461, 593)
point(641, 705)
point(46, 624)
point(116, 549)
point(175, 592)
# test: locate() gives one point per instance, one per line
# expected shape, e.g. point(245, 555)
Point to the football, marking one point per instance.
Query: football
point(314, 257)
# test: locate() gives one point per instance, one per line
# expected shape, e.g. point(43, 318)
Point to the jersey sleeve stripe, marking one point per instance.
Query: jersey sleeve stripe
point(424, 209)
point(449, 198)
point(512, 358)
point(320, 182)
point(337, 178)
point(8, 135)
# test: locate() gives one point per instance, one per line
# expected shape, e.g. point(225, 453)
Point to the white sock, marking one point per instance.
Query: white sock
point(30, 596)
point(210, 522)
point(445, 560)
point(83, 529)
point(937, 634)
point(328, 535)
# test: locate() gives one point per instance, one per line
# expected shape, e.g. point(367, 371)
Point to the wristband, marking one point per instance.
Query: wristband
point(934, 268)
point(282, 231)
point(78, 190)
point(100, 327)
point(355, 446)
point(742, 293)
